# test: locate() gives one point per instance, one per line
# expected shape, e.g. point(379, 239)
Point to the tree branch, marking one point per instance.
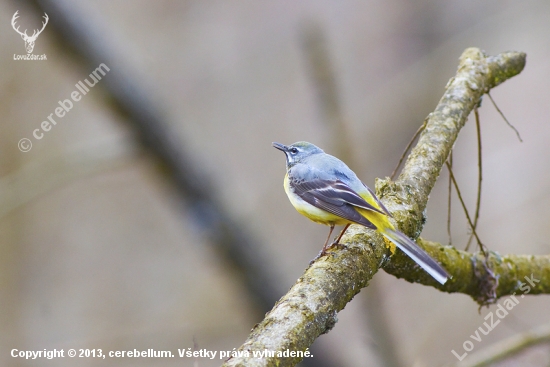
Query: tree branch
point(310, 307)
point(470, 272)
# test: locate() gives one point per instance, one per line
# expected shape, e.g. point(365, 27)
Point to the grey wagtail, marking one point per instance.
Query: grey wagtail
point(327, 191)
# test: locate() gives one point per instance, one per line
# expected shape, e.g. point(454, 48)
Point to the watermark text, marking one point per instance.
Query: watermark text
point(64, 106)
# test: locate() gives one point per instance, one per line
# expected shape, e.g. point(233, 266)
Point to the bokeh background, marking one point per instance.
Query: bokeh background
point(101, 247)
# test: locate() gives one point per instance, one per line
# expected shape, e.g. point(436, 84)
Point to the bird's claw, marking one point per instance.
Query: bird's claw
point(321, 253)
point(337, 245)
point(324, 251)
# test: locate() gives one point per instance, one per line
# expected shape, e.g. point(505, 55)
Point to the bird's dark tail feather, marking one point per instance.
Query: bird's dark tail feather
point(417, 254)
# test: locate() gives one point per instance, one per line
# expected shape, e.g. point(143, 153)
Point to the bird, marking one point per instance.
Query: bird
point(324, 189)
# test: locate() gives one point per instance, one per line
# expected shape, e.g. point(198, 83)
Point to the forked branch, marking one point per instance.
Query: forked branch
point(310, 307)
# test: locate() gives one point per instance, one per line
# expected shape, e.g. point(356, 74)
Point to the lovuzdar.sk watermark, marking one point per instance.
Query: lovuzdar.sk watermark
point(493, 319)
point(29, 40)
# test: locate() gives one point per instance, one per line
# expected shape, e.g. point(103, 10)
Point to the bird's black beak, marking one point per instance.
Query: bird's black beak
point(280, 146)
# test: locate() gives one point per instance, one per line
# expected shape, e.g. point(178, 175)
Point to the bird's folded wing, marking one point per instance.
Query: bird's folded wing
point(378, 201)
point(335, 197)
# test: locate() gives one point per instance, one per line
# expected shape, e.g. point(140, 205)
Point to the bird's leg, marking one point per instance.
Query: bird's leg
point(337, 242)
point(325, 247)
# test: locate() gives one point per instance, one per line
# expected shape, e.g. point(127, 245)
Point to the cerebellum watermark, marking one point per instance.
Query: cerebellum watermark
point(491, 321)
point(65, 106)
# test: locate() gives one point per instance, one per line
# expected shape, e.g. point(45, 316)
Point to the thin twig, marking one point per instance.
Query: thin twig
point(420, 129)
point(449, 201)
point(48, 173)
point(481, 246)
point(504, 117)
point(479, 176)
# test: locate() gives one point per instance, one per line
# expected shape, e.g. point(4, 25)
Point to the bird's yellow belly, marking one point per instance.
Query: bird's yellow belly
point(310, 211)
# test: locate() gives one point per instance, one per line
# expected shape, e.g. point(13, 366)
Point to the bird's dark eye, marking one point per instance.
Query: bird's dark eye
point(294, 150)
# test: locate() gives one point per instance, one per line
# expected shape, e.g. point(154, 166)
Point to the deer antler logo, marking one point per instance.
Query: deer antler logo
point(29, 40)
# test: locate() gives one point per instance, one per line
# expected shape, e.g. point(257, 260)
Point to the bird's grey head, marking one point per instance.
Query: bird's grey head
point(297, 152)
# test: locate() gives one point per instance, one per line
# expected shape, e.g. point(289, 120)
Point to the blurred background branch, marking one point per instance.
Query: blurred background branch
point(508, 347)
point(78, 33)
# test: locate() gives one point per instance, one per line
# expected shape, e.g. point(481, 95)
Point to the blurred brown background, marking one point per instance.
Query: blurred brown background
point(99, 250)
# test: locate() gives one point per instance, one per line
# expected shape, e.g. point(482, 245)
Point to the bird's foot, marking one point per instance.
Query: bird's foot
point(321, 253)
point(337, 245)
point(324, 251)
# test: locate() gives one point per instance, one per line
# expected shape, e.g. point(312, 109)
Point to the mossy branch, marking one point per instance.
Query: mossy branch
point(310, 307)
point(471, 274)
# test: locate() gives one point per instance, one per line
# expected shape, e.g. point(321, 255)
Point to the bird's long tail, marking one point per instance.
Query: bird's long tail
point(417, 254)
